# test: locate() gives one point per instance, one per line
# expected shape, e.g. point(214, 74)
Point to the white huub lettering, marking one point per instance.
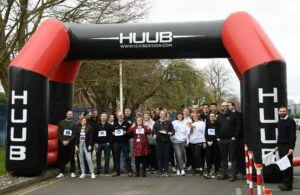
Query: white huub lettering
point(18, 152)
point(145, 37)
point(261, 97)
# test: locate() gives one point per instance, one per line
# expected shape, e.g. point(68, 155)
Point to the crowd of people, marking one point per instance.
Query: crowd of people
point(199, 140)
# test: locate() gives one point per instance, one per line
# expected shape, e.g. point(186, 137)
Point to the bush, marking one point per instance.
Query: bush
point(3, 98)
point(297, 115)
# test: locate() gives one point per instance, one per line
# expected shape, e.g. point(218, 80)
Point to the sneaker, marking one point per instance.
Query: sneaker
point(206, 175)
point(173, 169)
point(115, 174)
point(82, 176)
point(221, 177)
point(232, 179)
point(60, 175)
point(182, 172)
point(166, 175)
point(73, 175)
point(158, 174)
point(93, 176)
point(129, 174)
point(213, 175)
point(189, 168)
point(240, 175)
point(178, 172)
point(107, 175)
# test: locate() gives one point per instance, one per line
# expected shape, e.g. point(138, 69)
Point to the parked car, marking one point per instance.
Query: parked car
point(297, 120)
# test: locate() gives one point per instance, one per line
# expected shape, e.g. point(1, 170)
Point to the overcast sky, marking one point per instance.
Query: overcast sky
point(278, 18)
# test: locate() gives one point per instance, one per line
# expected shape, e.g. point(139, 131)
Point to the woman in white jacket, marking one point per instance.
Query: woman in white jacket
point(179, 141)
point(197, 142)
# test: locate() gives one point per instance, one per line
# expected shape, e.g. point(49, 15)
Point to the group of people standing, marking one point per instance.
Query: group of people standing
point(151, 139)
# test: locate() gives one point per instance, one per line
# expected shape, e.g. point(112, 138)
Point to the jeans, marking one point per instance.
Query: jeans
point(131, 154)
point(228, 147)
point(106, 148)
point(124, 148)
point(179, 149)
point(163, 154)
point(84, 152)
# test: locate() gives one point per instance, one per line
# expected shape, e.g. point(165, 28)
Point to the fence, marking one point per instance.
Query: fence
point(3, 124)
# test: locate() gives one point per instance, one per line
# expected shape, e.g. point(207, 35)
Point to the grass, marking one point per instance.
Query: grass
point(2, 161)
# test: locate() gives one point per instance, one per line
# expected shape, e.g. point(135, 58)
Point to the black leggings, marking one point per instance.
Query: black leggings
point(197, 155)
point(163, 154)
point(140, 160)
point(213, 156)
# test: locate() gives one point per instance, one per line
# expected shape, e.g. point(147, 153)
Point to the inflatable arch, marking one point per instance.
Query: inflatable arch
point(42, 76)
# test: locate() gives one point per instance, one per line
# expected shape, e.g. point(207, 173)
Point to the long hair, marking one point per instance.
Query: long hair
point(87, 125)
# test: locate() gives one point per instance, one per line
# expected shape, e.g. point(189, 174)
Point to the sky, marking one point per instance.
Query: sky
point(279, 19)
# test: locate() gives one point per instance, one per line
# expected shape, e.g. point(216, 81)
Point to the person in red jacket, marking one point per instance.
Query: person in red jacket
point(141, 147)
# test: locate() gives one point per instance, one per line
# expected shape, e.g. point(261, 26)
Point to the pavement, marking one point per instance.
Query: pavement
point(123, 185)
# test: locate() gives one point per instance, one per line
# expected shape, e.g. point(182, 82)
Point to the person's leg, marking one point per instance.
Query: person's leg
point(241, 165)
point(122, 162)
point(144, 165)
point(71, 157)
point(62, 158)
point(81, 158)
point(201, 157)
point(176, 148)
point(224, 157)
point(88, 156)
point(160, 155)
point(287, 175)
point(153, 157)
point(132, 161)
point(209, 153)
point(233, 157)
point(98, 159)
point(117, 154)
point(137, 165)
point(166, 151)
point(125, 149)
point(171, 157)
point(106, 158)
point(216, 156)
point(189, 156)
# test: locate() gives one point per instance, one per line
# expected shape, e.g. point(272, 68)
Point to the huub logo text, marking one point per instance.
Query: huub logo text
point(17, 150)
point(145, 37)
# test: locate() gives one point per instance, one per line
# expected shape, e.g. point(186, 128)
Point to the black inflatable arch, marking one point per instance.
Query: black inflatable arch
point(42, 76)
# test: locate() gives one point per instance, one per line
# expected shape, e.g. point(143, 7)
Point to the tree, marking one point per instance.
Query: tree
point(218, 80)
point(20, 18)
point(181, 85)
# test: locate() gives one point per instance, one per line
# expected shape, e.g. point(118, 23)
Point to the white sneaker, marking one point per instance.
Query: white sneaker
point(73, 175)
point(189, 168)
point(173, 169)
point(93, 176)
point(60, 175)
point(82, 176)
point(182, 172)
point(178, 172)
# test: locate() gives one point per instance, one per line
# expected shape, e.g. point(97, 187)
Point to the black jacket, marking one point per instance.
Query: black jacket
point(124, 126)
point(287, 132)
point(210, 136)
point(102, 130)
point(228, 126)
point(163, 125)
point(88, 136)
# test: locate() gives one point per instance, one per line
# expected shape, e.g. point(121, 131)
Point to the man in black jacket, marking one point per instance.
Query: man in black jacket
point(102, 139)
point(227, 132)
point(66, 133)
point(285, 144)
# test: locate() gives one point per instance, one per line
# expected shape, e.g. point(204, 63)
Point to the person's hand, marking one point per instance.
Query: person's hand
point(170, 133)
point(204, 145)
point(133, 125)
point(76, 149)
point(107, 143)
point(290, 151)
point(218, 139)
point(276, 149)
point(113, 133)
point(124, 132)
point(89, 148)
point(154, 136)
point(65, 143)
point(96, 146)
point(233, 138)
point(209, 143)
point(163, 131)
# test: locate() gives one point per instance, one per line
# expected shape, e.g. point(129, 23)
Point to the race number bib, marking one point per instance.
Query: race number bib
point(82, 136)
point(139, 131)
point(119, 132)
point(102, 134)
point(67, 132)
point(211, 131)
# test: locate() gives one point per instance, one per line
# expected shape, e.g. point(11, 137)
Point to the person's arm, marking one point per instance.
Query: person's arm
point(91, 133)
point(171, 129)
point(74, 133)
point(77, 131)
point(218, 128)
point(292, 130)
point(60, 131)
point(237, 125)
point(206, 133)
point(147, 130)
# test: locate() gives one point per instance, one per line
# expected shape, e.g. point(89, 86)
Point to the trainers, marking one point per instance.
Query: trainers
point(166, 175)
point(93, 176)
point(189, 168)
point(173, 169)
point(82, 176)
point(232, 179)
point(60, 175)
point(182, 172)
point(115, 174)
point(221, 177)
point(129, 174)
point(73, 175)
point(178, 172)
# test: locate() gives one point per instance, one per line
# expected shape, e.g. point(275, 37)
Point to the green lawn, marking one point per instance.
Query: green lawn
point(2, 161)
